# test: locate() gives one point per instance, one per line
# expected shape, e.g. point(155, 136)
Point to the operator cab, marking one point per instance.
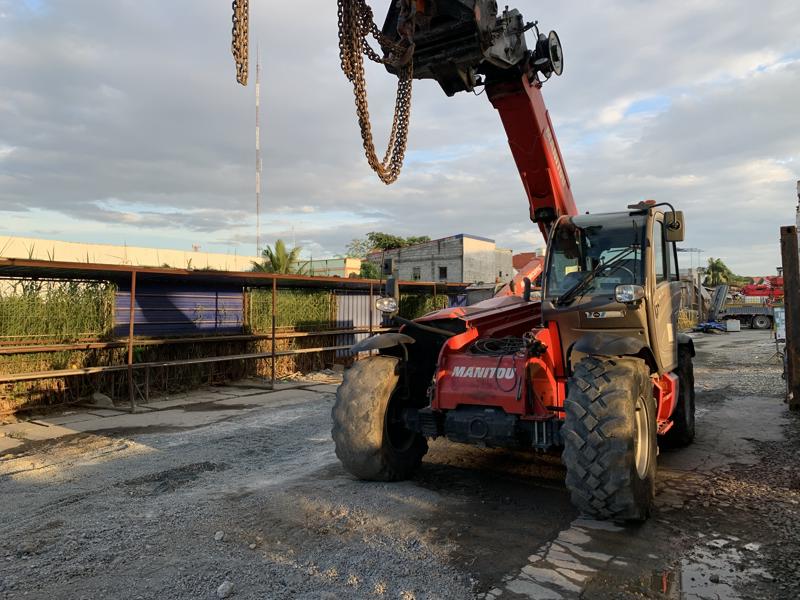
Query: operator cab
point(591, 255)
point(615, 274)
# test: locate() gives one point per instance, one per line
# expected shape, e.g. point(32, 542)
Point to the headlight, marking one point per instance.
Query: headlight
point(628, 293)
point(386, 304)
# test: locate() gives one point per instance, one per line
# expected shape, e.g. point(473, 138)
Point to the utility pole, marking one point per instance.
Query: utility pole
point(258, 151)
point(791, 286)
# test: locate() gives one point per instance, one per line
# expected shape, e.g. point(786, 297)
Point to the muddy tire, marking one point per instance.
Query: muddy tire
point(370, 441)
point(681, 434)
point(761, 322)
point(610, 438)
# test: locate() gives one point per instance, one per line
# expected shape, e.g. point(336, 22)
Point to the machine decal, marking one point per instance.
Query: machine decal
point(605, 314)
point(481, 372)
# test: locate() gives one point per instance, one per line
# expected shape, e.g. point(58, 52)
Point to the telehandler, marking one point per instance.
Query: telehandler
point(596, 369)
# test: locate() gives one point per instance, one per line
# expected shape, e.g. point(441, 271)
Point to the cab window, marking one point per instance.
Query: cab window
point(659, 264)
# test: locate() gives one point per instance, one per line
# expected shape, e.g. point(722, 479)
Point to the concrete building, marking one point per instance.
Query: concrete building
point(334, 267)
point(39, 249)
point(459, 258)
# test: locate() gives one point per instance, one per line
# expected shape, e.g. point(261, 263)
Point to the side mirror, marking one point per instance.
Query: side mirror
point(675, 226)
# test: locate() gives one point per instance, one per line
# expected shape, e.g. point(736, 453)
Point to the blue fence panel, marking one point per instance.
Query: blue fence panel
point(169, 309)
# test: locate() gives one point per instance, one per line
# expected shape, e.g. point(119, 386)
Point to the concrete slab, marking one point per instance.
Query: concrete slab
point(155, 419)
point(29, 431)
point(7, 444)
point(323, 387)
point(106, 412)
point(66, 418)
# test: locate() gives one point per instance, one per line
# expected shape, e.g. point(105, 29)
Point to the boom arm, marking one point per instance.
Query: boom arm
point(535, 149)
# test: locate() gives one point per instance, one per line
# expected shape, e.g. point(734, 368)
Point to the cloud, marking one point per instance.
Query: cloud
point(136, 102)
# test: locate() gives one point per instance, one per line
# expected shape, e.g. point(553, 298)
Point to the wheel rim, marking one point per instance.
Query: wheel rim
point(641, 440)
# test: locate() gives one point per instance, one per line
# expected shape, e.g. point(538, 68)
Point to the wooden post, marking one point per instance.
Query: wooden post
point(274, 291)
point(147, 384)
point(132, 320)
point(791, 299)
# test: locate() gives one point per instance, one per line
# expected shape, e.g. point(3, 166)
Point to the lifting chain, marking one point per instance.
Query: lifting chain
point(356, 24)
point(239, 45)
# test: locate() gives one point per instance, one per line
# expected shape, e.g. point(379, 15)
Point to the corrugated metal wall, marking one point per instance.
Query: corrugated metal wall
point(353, 310)
point(169, 309)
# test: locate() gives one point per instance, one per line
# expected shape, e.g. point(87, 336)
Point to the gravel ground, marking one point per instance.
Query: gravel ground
point(244, 498)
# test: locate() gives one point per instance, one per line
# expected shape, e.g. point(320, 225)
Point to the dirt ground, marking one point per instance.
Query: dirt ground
point(236, 492)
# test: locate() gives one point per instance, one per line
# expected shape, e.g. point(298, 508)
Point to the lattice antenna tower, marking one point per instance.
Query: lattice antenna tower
point(258, 151)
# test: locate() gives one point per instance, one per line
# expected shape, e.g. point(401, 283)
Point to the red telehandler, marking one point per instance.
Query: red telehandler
point(596, 369)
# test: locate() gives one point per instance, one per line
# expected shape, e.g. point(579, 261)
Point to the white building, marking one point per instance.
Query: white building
point(39, 249)
point(456, 259)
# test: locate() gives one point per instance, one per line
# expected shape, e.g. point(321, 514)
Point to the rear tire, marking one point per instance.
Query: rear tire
point(610, 438)
point(681, 434)
point(370, 439)
point(761, 322)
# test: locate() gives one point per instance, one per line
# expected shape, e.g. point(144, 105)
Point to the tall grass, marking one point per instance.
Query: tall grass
point(416, 305)
point(298, 309)
point(55, 311)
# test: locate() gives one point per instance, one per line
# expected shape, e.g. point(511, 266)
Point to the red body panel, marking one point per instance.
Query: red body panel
point(516, 287)
point(665, 390)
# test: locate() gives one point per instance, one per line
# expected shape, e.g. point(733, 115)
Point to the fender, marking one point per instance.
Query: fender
point(615, 345)
point(381, 341)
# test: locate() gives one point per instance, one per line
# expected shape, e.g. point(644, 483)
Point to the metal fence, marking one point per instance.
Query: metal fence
point(67, 330)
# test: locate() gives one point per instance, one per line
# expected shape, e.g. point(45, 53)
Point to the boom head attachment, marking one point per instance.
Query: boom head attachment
point(456, 42)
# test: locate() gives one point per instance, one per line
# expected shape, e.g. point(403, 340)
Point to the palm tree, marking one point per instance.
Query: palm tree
point(279, 260)
point(718, 272)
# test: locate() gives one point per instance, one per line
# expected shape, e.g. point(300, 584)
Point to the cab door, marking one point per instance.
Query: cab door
point(665, 299)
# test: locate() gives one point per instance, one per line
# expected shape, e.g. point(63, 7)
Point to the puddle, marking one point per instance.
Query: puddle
point(713, 570)
point(560, 569)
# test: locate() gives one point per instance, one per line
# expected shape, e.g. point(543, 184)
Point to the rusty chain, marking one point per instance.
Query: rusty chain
point(239, 33)
point(356, 25)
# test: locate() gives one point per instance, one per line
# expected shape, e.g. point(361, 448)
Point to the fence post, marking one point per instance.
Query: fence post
point(274, 290)
point(132, 319)
point(791, 300)
point(371, 308)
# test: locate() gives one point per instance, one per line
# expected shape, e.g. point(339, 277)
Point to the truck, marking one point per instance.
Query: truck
point(758, 314)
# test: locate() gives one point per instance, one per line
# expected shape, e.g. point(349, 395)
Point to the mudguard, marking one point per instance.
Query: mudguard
point(605, 344)
point(378, 342)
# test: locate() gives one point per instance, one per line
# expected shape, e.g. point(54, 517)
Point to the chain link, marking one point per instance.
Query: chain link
point(239, 33)
point(356, 25)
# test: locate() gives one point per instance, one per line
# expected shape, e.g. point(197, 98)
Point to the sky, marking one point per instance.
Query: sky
point(121, 122)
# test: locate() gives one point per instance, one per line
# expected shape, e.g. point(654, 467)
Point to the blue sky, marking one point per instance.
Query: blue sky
point(121, 122)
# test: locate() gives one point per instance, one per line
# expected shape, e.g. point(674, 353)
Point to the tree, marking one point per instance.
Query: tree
point(378, 240)
point(718, 272)
point(358, 248)
point(369, 270)
point(280, 260)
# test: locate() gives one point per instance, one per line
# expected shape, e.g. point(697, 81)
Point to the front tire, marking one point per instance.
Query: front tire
point(610, 438)
point(370, 438)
